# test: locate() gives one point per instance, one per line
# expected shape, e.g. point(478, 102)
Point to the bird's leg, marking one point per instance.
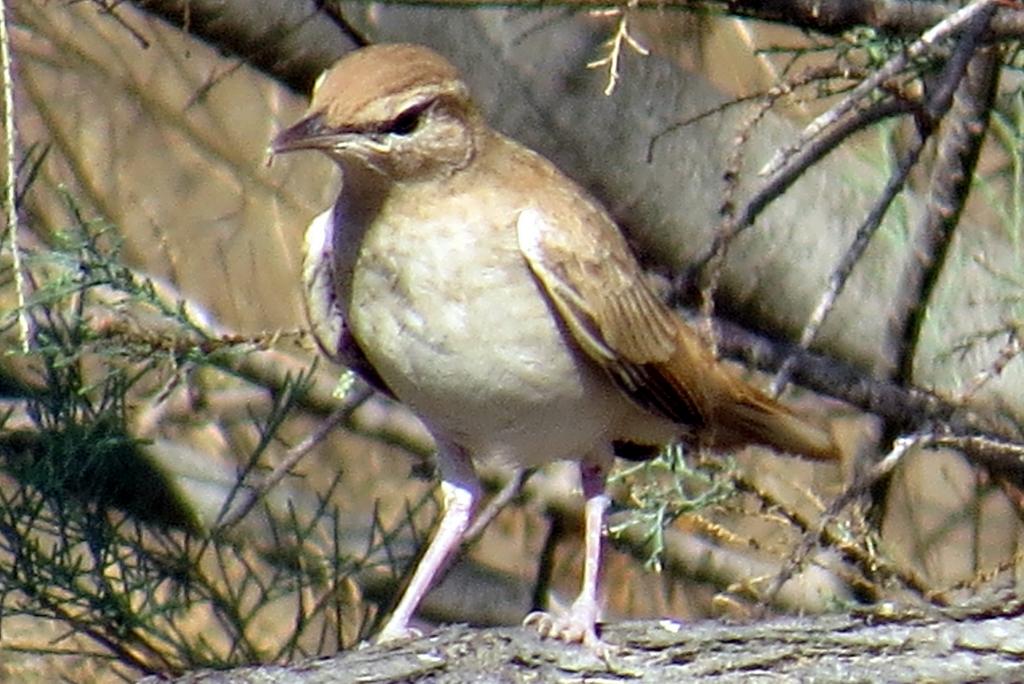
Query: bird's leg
point(578, 624)
point(460, 489)
point(585, 608)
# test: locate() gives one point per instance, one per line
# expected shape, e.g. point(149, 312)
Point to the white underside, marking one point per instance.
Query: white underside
point(486, 366)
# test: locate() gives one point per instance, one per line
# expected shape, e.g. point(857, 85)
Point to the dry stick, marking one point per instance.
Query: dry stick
point(1011, 349)
point(949, 187)
point(836, 16)
point(252, 497)
point(621, 38)
point(775, 187)
point(509, 491)
point(731, 176)
point(862, 562)
point(894, 66)
point(936, 107)
point(1003, 457)
point(765, 101)
point(840, 275)
point(787, 164)
point(860, 486)
point(11, 183)
point(975, 73)
point(796, 165)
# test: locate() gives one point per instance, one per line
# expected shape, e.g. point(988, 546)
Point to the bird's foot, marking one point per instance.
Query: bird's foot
point(576, 626)
point(392, 633)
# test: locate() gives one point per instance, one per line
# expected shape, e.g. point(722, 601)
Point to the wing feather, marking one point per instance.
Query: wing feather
point(656, 359)
point(323, 308)
point(600, 293)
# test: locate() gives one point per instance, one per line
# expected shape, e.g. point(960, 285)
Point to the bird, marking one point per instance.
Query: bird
point(466, 276)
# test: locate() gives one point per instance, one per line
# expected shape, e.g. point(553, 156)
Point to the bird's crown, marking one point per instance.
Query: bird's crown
point(369, 88)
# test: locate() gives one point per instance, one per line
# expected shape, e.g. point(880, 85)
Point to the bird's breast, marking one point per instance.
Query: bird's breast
point(448, 313)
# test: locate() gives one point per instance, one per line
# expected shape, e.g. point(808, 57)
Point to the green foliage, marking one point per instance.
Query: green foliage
point(666, 488)
point(92, 533)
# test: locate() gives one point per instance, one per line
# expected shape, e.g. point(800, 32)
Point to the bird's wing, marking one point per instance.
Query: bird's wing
point(323, 311)
point(595, 283)
point(660, 362)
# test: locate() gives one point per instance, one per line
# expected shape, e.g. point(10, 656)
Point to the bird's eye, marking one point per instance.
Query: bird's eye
point(407, 122)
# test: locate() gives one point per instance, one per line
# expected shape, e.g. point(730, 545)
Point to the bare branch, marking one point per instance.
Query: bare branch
point(962, 133)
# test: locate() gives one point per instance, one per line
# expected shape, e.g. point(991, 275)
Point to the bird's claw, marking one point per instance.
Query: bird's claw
point(389, 635)
point(569, 627)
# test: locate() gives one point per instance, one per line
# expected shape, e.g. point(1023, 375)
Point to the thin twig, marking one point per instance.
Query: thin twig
point(841, 273)
point(332, 11)
point(774, 186)
point(894, 66)
point(860, 486)
point(11, 184)
point(496, 505)
point(253, 496)
point(1011, 349)
point(615, 44)
point(956, 157)
point(936, 107)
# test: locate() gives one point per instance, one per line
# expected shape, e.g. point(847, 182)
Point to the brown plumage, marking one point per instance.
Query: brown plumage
point(655, 357)
point(479, 285)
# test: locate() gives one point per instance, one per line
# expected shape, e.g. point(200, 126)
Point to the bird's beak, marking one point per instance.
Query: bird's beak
point(310, 133)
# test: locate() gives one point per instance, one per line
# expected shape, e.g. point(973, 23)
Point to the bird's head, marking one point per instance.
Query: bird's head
point(401, 110)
